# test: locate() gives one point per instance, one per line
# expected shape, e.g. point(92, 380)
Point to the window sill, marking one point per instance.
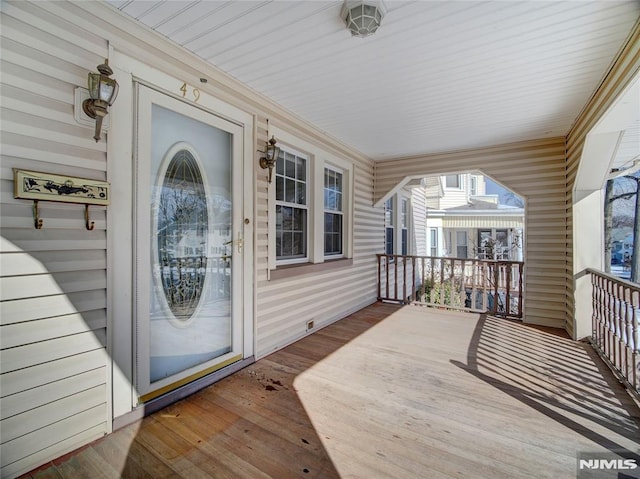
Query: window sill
point(291, 270)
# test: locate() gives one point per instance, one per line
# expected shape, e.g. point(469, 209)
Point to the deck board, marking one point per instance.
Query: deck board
point(389, 392)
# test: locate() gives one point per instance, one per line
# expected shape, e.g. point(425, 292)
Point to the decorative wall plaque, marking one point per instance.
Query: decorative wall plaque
point(32, 185)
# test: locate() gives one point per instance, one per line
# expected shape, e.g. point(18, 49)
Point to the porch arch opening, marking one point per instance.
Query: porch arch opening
point(469, 244)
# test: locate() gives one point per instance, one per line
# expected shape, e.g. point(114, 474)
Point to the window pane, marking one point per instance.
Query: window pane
point(287, 244)
point(301, 193)
point(279, 188)
point(298, 245)
point(389, 241)
point(290, 191)
point(405, 241)
point(280, 164)
point(299, 219)
point(301, 169)
point(290, 166)
point(333, 233)
point(287, 218)
point(452, 181)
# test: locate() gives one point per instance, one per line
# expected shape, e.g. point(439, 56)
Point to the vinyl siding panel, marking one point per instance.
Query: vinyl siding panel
point(535, 170)
point(53, 320)
point(623, 69)
point(419, 219)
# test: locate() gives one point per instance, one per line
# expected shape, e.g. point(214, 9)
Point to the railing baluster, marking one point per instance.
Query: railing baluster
point(387, 292)
point(414, 293)
point(614, 326)
point(379, 277)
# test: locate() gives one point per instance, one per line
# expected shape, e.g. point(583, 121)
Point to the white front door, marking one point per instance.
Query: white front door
point(189, 243)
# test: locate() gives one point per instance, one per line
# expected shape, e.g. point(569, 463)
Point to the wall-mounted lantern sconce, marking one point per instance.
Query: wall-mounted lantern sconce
point(102, 93)
point(271, 153)
point(270, 157)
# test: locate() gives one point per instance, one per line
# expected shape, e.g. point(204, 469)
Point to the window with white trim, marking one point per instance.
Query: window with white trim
point(389, 220)
point(452, 181)
point(461, 244)
point(433, 241)
point(333, 214)
point(404, 226)
point(310, 188)
point(292, 209)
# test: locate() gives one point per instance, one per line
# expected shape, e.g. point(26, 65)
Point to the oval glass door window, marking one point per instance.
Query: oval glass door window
point(182, 231)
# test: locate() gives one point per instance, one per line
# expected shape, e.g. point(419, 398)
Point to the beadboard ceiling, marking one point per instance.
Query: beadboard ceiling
point(437, 76)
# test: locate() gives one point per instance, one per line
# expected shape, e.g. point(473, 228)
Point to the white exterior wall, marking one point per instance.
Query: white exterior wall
point(55, 370)
point(455, 196)
point(419, 221)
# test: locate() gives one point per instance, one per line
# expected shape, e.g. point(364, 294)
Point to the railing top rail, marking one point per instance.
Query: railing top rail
point(614, 279)
point(449, 258)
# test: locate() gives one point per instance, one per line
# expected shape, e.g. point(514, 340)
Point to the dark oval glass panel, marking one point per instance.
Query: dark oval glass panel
point(182, 230)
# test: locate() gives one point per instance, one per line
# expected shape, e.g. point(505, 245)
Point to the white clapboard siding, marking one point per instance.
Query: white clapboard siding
point(45, 307)
point(48, 374)
point(80, 422)
point(623, 70)
point(419, 221)
point(53, 321)
point(284, 306)
point(534, 170)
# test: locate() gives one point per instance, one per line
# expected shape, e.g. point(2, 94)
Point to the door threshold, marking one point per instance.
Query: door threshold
point(179, 393)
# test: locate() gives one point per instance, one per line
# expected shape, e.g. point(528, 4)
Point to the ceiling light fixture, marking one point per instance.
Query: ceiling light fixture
point(363, 17)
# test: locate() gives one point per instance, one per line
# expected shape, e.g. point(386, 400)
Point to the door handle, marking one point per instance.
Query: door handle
point(239, 241)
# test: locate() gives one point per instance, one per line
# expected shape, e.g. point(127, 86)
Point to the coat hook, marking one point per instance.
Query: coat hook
point(36, 216)
point(88, 224)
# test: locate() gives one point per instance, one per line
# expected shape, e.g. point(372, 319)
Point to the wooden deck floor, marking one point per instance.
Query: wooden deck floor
point(389, 392)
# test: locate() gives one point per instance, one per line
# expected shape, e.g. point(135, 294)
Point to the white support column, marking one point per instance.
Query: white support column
point(588, 221)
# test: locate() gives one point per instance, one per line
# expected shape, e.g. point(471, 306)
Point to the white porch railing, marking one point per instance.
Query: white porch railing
point(454, 283)
point(616, 309)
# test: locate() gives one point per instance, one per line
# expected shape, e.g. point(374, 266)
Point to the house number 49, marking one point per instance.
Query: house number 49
point(196, 93)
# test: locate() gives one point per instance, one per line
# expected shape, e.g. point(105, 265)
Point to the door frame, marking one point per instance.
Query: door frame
point(121, 237)
point(147, 97)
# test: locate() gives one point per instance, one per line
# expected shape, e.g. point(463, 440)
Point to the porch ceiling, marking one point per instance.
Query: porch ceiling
point(437, 76)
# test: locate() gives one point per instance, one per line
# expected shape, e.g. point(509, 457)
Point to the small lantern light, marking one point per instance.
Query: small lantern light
point(102, 92)
point(363, 17)
point(270, 157)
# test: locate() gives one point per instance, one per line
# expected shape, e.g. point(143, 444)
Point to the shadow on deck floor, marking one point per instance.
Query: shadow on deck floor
point(389, 392)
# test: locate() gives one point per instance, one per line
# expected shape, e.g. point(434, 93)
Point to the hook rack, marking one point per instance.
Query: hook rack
point(36, 216)
point(90, 225)
point(38, 186)
point(39, 222)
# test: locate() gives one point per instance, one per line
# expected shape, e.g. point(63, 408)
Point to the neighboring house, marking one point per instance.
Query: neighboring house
point(621, 246)
point(102, 326)
point(464, 222)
